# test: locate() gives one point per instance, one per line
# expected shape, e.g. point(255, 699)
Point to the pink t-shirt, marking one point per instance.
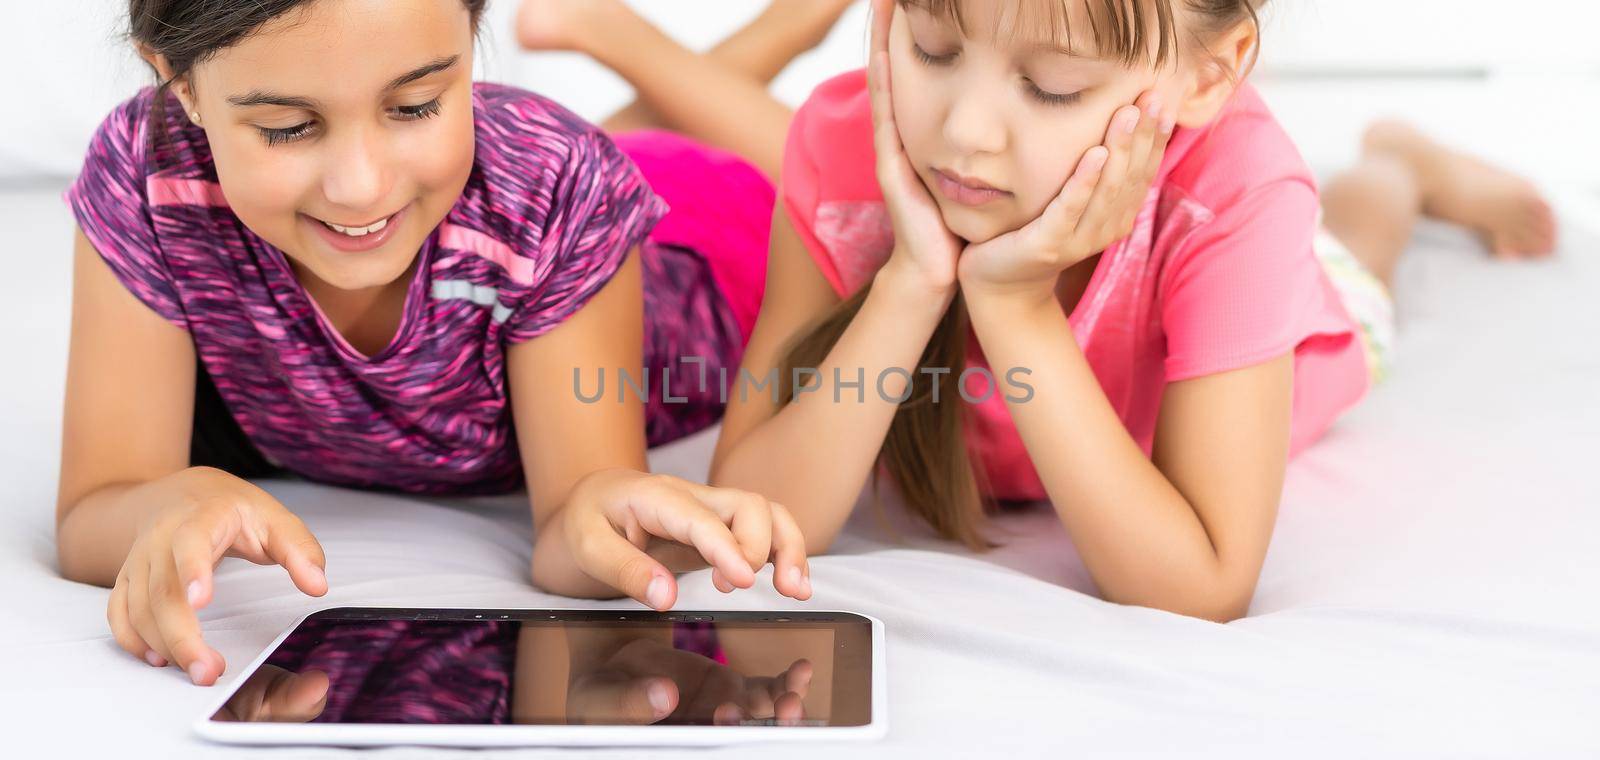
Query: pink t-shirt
point(1218, 274)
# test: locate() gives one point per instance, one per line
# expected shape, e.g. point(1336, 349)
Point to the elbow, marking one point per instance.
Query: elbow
point(65, 565)
point(1220, 602)
point(1217, 602)
point(70, 562)
point(80, 575)
point(81, 556)
point(1223, 612)
point(74, 567)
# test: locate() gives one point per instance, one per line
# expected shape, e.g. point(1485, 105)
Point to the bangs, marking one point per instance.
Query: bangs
point(1130, 32)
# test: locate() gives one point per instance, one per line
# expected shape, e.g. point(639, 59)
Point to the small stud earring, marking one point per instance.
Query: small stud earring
point(195, 116)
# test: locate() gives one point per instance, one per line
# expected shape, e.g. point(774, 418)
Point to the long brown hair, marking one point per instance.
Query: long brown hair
point(925, 451)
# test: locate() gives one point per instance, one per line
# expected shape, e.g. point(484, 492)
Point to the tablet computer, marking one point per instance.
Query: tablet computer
point(372, 676)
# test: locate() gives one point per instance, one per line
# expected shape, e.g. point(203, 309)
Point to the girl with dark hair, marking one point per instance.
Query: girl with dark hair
point(319, 249)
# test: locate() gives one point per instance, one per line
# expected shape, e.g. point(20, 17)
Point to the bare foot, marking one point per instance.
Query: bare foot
point(563, 24)
point(1514, 220)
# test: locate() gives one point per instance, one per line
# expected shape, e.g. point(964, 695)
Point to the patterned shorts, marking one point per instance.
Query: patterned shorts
point(1365, 297)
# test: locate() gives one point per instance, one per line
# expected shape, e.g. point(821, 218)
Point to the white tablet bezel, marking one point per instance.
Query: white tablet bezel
point(350, 735)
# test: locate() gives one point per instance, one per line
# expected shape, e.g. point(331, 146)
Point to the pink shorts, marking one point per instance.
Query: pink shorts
point(721, 209)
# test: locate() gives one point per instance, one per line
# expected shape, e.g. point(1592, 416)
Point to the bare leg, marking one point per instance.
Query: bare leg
point(1372, 208)
point(1403, 175)
point(761, 50)
point(672, 82)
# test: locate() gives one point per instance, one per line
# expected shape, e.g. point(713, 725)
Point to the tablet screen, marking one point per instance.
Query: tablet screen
point(554, 667)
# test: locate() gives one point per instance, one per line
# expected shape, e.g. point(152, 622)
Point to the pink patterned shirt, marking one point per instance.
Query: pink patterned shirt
point(549, 214)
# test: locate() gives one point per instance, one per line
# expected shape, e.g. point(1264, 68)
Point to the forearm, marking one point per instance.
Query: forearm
point(94, 535)
point(1140, 538)
point(814, 455)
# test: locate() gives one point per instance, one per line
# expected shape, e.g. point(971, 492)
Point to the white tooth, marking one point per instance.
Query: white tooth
point(358, 231)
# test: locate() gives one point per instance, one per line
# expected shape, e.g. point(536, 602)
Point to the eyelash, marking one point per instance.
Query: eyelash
point(424, 111)
point(932, 60)
point(300, 131)
point(1051, 98)
point(285, 135)
point(1047, 98)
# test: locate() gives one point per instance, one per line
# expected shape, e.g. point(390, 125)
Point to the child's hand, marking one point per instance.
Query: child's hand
point(923, 247)
point(612, 516)
point(647, 681)
point(1095, 208)
point(275, 695)
point(167, 575)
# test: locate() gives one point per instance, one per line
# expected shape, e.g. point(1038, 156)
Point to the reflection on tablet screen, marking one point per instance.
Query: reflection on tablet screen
point(334, 669)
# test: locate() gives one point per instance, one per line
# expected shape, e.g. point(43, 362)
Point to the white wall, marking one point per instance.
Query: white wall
point(1435, 35)
point(65, 68)
point(1519, 81)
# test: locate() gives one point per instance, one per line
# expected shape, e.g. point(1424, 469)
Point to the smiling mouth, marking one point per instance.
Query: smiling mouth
point(362, 237)
point(361, 231)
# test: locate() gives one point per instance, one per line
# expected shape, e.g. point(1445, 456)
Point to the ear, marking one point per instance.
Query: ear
point(181, 87)
point(1227, 61)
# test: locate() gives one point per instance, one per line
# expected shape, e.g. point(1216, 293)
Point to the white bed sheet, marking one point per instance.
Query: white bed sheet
point(1431, 589)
